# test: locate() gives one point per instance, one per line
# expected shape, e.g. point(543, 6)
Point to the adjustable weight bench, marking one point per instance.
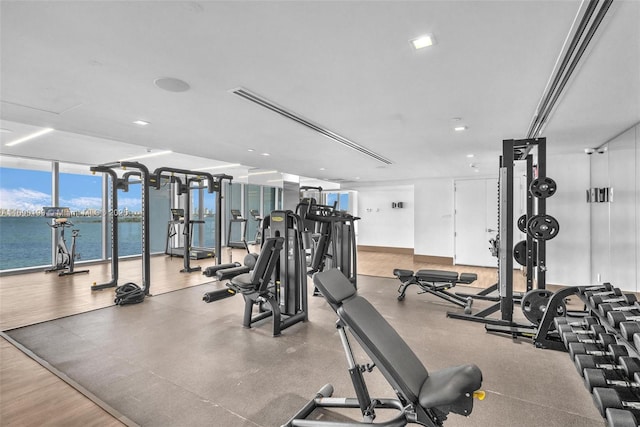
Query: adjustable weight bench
point(422, 398)
point(436, 282)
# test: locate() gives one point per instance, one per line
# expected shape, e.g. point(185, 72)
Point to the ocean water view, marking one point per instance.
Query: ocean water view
point(26, 241)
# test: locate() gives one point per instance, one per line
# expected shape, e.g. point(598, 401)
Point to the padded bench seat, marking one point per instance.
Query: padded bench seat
point(436, 282)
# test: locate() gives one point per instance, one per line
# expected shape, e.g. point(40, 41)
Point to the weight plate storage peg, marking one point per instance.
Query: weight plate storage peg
point(543, 227)
point(541, 188)
point(522, 223)
point(534, 304)
point(520, 253)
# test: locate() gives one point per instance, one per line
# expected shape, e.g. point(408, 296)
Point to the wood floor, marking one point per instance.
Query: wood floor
point(30, 395)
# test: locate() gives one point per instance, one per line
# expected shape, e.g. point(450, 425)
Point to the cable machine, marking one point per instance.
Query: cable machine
point(123, 184)
point(184, 187)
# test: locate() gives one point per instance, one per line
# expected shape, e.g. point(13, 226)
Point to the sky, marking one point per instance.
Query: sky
point(30, 190)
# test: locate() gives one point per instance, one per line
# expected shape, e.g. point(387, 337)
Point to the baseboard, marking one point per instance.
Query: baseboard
point(386, 249)
point(433, 259)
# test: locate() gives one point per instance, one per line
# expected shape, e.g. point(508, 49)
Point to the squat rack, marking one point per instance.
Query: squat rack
point(514, 150)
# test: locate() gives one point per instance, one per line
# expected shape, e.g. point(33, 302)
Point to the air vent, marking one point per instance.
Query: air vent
point(257, 99)
point(582, 35)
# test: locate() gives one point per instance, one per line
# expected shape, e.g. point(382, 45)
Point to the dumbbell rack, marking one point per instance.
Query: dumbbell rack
point(608, 356)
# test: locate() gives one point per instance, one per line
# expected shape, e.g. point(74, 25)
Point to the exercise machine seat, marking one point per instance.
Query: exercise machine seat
point(258, 278)
point(450, 388)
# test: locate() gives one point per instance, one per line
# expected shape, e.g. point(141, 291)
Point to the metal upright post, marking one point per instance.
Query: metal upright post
point(506, 232)
point(531, 260)
point(542, 210)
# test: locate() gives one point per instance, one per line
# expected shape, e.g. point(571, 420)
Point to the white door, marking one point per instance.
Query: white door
point(476, 221)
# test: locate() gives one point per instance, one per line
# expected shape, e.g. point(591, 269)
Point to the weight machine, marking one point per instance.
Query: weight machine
point(278, 283)
point(531, 253)
point(142, 172)
point(194, 180)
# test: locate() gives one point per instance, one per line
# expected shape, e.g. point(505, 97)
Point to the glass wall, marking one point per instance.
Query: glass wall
point(269, 195)
point(81, 191)
point(25, 188)
point(341, 201)
point(233, 201)
point(252, 203)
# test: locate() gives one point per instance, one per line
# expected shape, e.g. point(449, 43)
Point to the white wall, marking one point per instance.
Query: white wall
point(615, 226)
point(568, 254)
point(434, 217)
point(381, 225)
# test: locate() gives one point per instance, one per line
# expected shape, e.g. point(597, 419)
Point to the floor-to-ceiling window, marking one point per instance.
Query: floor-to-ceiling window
point(81, 192)
point(25, 188)
point(252, 203)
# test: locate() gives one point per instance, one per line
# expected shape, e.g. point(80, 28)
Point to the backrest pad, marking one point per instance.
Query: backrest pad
point(334, 286)
point(395, 359)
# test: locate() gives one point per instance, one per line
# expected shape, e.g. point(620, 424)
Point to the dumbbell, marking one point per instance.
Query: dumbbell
point(614, 398)
point(621, 418)
point(598, 378)
point(597, 334)
point(626, 364)
point(616, 317)
point(602, 292)
point(607, 307)
point(628, 329)
point(595, 289)
point(613, 351)
point(623, 298)
point(585, 322)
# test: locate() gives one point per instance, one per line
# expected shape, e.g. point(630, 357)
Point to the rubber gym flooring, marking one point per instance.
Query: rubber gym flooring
point(176, 361)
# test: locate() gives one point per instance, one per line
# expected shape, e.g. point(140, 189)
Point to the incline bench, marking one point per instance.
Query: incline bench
point(423, 398)
point(436, 282)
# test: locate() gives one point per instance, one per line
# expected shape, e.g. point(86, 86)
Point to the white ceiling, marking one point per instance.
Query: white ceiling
point(87, 69)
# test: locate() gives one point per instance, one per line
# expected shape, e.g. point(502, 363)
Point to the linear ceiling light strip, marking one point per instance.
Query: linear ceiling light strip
point(569, 62)
point(244, 93)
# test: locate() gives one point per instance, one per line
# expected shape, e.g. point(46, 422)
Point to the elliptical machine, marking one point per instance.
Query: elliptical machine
point(65, 259)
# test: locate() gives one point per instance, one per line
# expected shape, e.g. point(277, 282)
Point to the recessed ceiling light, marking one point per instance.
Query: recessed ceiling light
point(266, 154)
point(251, 150)
point(423, 41)
point(28, 137)
point(322, 169)
point(144, 156)
point(172, 84)
point(141, 122)
point(470, 156)
point(460, 128)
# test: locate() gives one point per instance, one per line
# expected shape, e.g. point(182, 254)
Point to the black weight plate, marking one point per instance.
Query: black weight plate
point(541, 188)
point(522, 223)
point(520, 253)
point(534, 304)
point(543, 227)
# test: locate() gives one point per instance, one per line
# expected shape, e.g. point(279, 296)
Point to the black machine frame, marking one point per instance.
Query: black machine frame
point(184, 187)
point(514, 150)
point(123, 183)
